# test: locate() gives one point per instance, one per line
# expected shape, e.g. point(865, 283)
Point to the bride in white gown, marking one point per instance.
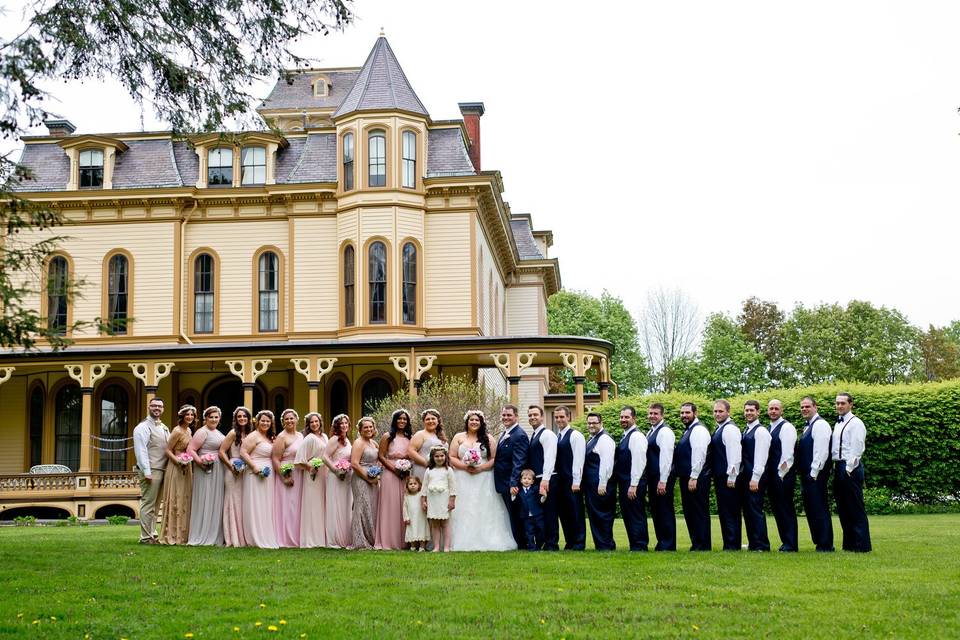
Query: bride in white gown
point(480, 521)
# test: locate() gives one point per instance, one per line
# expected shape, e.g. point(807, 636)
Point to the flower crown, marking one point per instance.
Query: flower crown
point(338, 417)
point(474, 412)
point(398, 412)
point(286, 411)
point(242, 409)
point(423, 414)
point(437, 447)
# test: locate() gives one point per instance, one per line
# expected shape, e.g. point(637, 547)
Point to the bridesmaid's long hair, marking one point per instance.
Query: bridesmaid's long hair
point(407, 430)
point(182, 416)
point(237, 430)
point(285, 412)
point(482, 438)
point(306, 423)
point(272, 433)
point(339, 428)
point(440, 432)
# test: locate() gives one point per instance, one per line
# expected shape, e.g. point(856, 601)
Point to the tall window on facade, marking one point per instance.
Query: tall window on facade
point(409, 159)
point(349, 286)
point(220, 167)
point(269, 291)
point(409, 283)
point(58, 274)
point(377, 153)
point(374, 391)
point(67, 409)
point(377, 276)
point(253, 166)
point(203, 300)
point(117, 293)
point(36, 426)
point(91, 168)
point(114, 422)
point(348, 162)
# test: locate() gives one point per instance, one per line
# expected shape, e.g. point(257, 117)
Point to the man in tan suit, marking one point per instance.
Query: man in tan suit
point(149, 446)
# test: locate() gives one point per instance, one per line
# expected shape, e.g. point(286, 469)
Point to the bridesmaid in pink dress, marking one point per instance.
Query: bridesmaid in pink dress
point(287, 489)
point(233, 479)
point(339, 499)
point(393, 447)
point(256, 450)
point(312, 515)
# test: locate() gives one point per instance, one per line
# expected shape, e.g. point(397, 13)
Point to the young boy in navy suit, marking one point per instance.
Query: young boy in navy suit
point(531, 510)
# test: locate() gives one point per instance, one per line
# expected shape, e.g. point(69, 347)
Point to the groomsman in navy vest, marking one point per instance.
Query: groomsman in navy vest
point(782, 476)
point(660, 478)
point(755, 448)
point(693, 465)
point(599, 487)
point(629, 464)
point(725, 445)
point(813, 453)
point(541, 458)
point(568, 474)
point(847, 447)
point(511, 458)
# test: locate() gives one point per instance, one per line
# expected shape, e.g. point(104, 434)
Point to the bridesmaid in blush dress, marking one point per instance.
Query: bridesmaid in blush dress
point(256, 451)
point(178, 481)
point(312, 502)
point(430, 436)
point(206, 507)
point(365, 488)
point(233, 479)
point(288, 487)
point(393, 446)
point(339, 498)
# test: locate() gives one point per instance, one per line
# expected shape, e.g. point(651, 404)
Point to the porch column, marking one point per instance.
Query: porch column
point(512, 364)
point(412, 367)
point(604, 383)
point(579, 364)
point(87, 375)
point(313, 369)
point(248, 370)
point(151, 373)
point(604, 391)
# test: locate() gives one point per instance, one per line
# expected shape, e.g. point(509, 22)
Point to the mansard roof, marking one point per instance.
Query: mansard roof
point(523, 235)
point(447, 154)
point(381, 86)
point(295, 90)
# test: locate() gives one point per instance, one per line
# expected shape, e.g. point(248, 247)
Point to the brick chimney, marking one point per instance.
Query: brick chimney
point(59, 128)
point(471, 112)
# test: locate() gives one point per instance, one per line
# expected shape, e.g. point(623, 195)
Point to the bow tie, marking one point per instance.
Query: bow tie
point(840, 420)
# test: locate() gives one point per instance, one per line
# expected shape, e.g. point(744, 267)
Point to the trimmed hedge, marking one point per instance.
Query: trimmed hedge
point(913, 430)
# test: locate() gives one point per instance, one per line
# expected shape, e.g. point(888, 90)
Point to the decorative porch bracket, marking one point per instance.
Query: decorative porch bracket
point(87, 375)
point(151, 373)
point(513, 364)
point(6, 373)
point(248, 370)
point(313, 368)
point(412, 368)
point(579, 364)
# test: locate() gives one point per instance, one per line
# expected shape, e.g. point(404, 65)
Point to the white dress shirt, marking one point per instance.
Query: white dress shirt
point(850, 439)
point(788, 442)
point(730, 436)
point(821, 445)
point(548, 440)
point(666, 440)
point(699, 443)
point(141, 438)
point(605, 447)
point(761, 448)
point(637, 445)
point(506, 433)
point(578, 445)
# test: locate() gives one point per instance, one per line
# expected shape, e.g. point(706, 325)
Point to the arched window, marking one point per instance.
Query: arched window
point(253, 165)
point(409, 283)
point(67, 405)
point(409, 159)
point(220, 167)
point(377, 277)
point(91, 168)
point(58, 274)
point(117, 293)
point(339, 399)
point(114, 425)
point(349, 286)
point(269, 285)
point(36, 425)
point(348, 162)
point(203, 293)
point(377, 154)
point(373, 392)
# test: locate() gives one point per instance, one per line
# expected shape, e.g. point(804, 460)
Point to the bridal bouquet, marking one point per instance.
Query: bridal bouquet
point(184, 460)
point(238, 465)
point(207, 461)
point(315, 464)
point(286, 469)
point(403, 467)
point(374, 471)
point(471, 457)
point(342, 466)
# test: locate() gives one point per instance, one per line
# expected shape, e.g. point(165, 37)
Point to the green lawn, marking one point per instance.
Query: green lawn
point(98, 581)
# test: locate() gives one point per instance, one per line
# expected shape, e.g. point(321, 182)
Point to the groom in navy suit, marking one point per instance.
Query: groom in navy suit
point(511, 458)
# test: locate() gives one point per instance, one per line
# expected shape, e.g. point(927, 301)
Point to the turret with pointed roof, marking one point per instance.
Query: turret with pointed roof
point(381, 86)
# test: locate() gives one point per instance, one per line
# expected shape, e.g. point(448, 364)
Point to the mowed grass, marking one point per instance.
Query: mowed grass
point(97, 582)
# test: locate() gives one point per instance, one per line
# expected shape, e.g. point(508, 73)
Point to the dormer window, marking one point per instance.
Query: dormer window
point(321, 88)
point(253, 167)
point(91, 169)
point(220, 167)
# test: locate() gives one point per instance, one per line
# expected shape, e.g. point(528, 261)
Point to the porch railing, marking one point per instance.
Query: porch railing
point(66, 482)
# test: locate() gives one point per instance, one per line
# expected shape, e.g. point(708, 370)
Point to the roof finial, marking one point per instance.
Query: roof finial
point(382, 34)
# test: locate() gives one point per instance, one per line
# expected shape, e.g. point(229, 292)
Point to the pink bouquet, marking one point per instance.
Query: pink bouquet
point(184, 460)
point(471, 458)
point(403, 467)
point(342, 466)
point(207, 461)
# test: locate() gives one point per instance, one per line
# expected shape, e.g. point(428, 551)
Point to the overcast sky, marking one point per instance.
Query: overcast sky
point(800, 153)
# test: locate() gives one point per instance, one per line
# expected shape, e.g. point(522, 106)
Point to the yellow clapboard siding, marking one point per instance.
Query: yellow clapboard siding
point(446, 263)
point(316, 274)
point(13, 423)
